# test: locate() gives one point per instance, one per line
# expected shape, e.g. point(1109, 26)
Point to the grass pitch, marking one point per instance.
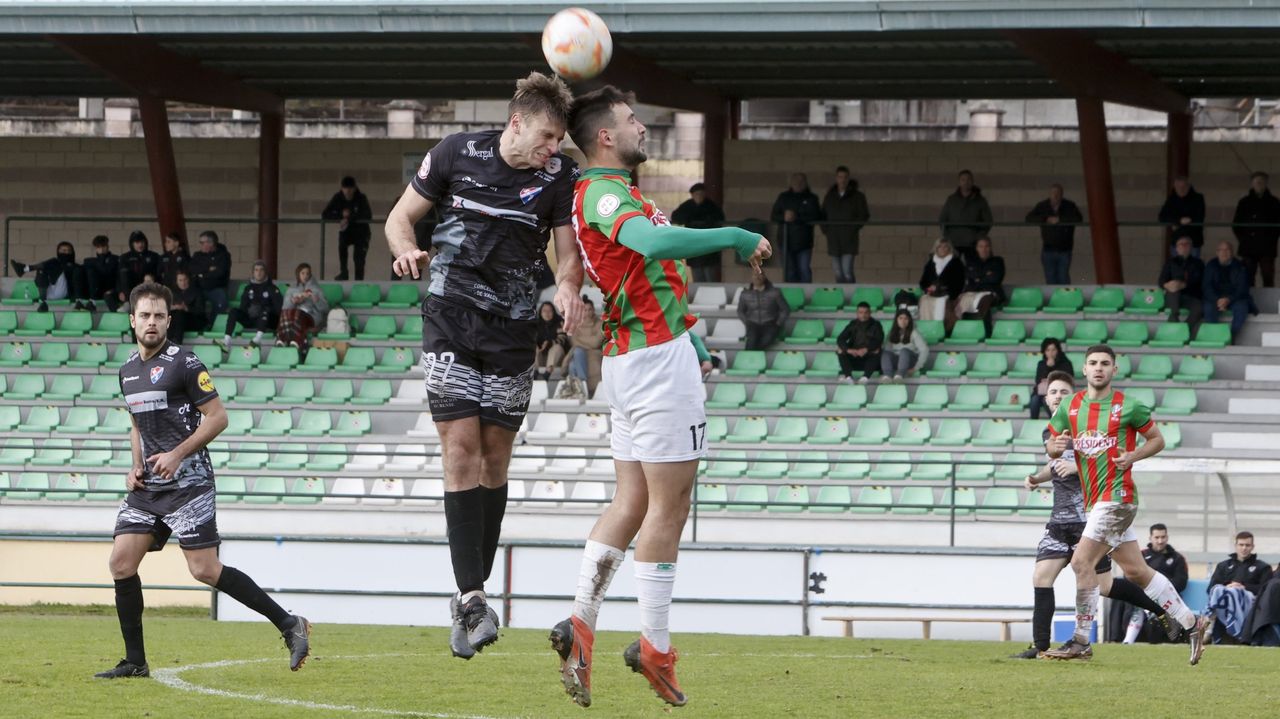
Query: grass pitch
point(48, 657)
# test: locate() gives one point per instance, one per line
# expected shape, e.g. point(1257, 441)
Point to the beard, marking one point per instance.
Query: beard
point(151, 343)
point(633, 156)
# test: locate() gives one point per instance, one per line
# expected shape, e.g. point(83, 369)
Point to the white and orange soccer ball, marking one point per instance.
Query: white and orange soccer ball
point(577, 44)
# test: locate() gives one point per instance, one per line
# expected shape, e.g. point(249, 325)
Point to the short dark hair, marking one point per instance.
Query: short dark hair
point(348, 181)
point(150, 289)
point(1060, 376)
point(542, 94)
point(1244, 535)
point(1260, 173)
point(213, 236)
point(1103, 348)
point(137, 236)
point(64, 243)
point(592, 111)
point(101, 241)
point(864, 304)
point(843, 169)
point(697, 187)
point(965, 172)
point(1158, 527)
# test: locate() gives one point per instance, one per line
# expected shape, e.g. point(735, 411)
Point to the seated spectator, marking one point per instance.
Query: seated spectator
point(1183, 212)
point(304, 313)
point(211, 270)
point(188, 309)
point(584, 357)
point(136, 264)
point(57, 278)
point(1226, 288)
point(1052, 359)
point(174, 260)
point(700, 212)
point(942, 280)
point(1183, 281)
point(845, 204)
point(763, 310)
point(259, 308)
point(552, 342)
point(905, 350)
point(859, 345)
point(984, 285)
point(102, 272)
point(1131, 624)
point(1235, 584)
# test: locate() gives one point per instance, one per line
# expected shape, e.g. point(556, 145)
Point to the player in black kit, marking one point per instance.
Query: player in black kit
point(500, 194)
point(176, 413)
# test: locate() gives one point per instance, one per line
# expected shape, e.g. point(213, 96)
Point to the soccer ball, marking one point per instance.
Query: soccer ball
point(577, 44)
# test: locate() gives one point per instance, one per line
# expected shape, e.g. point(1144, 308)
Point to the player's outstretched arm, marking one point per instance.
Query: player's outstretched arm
point(1153, 446)
point(568, 297)
point(214, 421)
point(409, 209)
point(667, 242)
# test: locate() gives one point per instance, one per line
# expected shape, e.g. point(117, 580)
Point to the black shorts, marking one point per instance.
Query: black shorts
point(477, 364)
point(189, 512)
point(1060, 540)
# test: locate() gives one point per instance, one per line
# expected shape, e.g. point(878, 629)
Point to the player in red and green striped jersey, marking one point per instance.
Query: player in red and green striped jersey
point(651, 379)
point(1102, 426)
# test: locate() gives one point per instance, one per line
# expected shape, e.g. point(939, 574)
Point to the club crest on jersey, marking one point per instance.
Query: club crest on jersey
point(1116, 409)
point(607, 205)
point(425, 168)
point(529, 193)
point(553, 165)
point(156, 374)
point(173, 350)
point(1094, 444)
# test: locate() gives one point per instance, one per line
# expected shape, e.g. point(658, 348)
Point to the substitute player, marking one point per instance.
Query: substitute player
point(1101, 425)
point(651, 379)
point(176, 414)
point(500, 193)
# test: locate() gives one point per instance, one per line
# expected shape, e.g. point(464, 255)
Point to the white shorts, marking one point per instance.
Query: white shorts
point(656, 403)
point(1111, 523)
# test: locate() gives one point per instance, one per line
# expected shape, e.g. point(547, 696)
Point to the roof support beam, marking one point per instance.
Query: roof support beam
point(655, 85)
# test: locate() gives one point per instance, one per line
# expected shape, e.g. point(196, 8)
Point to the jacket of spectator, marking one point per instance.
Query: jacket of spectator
point(965, 219)
point(850, 207)
point(799, 234)
point(102, 270)
point(1231, 281)
point(1185, 269)
point(1252, 573)
point(360, 213)
point(1257, 209)
point(985, 276)
point(952, 278)
point(1059, 237)
point(171, 263)
point(261, 297)
point(700, 216)
point(192, 297)
point(763, 307)
point(915, 344)
point(135, 265)
point(1169, 563)
point(211, 270)
point(589, 335)
point(857, 335)
point(315, 305)
point(1191, 205)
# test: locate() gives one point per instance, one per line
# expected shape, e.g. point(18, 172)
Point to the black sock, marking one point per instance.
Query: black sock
point(129, 610)
point(237, 585)
point(1126, 591)
point(1042, 618)
point(464, 520)
point(495, 508)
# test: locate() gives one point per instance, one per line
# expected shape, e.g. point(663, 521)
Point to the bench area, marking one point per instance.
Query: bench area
point(926, 623)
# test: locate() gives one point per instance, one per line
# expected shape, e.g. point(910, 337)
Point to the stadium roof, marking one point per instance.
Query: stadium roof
point(742, 49)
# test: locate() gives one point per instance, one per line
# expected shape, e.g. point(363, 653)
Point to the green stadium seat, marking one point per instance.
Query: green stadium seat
point(975, 467)
point(281, 359)
point(333, 293)
point(25, 388)
point(786, 364)
point(210, 355)
point(377, 327)
point(794, 297)
point(888, 398)
point(1146, 395)
point(1031, 434)
point(411, 331)
point(1024, 365)
point(297, 390)
point(964, 499)
point(69, 488)
point(1106, 300)
point(362, 297)
point(275, 423)
point(352, 423)
point(969, 398)
point(51, 355)
point(14, 354)
point(31, 487)
point(122, 353)
point(967, 332)
point(1146, 302)
point(288, 458)
point(807, 398)
point(873, 500)
point(871, 430)
point(1124, 365)
point(717, 429)
point(1088, 332)
point(216, 327)
point(914, 500)
point(948, 365)
point(1025, 300)
point(749, 498)
point(928, 397)
point(321, 359)
point(396, 360)
point(402, 295)
point(934, 332)
point(1010, 399)
point(891, 467)
point(989, 365)
point(1045, 329)
point(110, 488)
point(305, 490)
point(358, 360)
point(329, 458)
point(24, 293)
point(1172, 433)
point(74, 324)
point(727, 395)
point(36, 324)
point(806, 332)
point(993, 433)
point(768, 396)
point(17, 452)
point(825, 299)
point(266, 490)
point(810, 465)
point(373, 391)
point(1178, 401)
point(1037, 504)
point(80, 420)
point(1194, 369)
point(852, 467)
point(102, 388)
point(1129, 334)
point(871, 295)
point(727, 464)
point(258, 390)
point(41, 419)
point(848, 398)
point(230, 489)
point(91, 355)
point(769, 465)
point(239, 423)
point(243, 358)
point(53, 453)
point(710, 497)
point(1154, 368)
point(832, 500)
point(1212, 336)
point(10, 417)
point(112, 325)
point(249, 455)
point(115, 420)
point(8, 322)
point(64, 388)
point(914, 431)
point(1007, 333)
point(999, 501)
point(93, 453)
point(313, 423)
point(1065, 301)
point(227, 390)
point(747, 363)
point(932, 467)
point(825, 365)
point(788, 430)
point(748, 430)
point(1171, 335)
point(829, 430)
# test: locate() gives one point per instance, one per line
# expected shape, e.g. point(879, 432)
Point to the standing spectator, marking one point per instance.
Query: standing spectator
point(57, 278)
point(984, 284)
point(795, 211)
point(136, 264)
point(846, 204)
point(174, 260)
point(553, 343)
point(1258, 244)
point(1235, 584)
point(942, 280)
point(1057, 217)
point(1052, 359)
point(905, 350)
point(700, 213)
point(859, 345)
point(211, 270)
point(188, 309)
point(259, 308)
point(1183, 281)
point(102, 272)
point(1128, 623)
point(304, 311)
point(763, 310)
point(351, 209)
point(965, 216)
point(584, 357)
point(1226, 288)
point(1183, 212)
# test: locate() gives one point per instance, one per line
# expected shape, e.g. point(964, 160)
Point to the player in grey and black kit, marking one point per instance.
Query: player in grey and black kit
point(176, 413)
point(500, 194)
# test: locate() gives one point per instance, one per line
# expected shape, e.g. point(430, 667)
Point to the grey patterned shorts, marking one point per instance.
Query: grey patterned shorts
point(189, 512)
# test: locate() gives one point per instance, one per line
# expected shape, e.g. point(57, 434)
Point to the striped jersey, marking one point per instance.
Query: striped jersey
point(1102, 430)
point(646, 301)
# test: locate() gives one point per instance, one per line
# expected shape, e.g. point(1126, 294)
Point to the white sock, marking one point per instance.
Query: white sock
point(1162, 593)
point(257, 337)
point(1136, 620)
point(654, 581)
point(226, 340)
point(599, 562)
point(1087, 601)
point(464, 598)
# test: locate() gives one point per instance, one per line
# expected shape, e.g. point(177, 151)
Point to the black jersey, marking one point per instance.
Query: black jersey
point(1068, 493)
point(162, 395)
point(491, 242)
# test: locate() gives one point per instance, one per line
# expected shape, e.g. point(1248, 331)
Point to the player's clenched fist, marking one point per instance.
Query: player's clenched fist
point(410, 262)
point(1059, 444)
point(763, 252)
point(133, 480)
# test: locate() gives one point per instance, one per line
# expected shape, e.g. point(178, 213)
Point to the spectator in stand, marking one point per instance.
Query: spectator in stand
point(1052, 359)
point(1182, 279)
point(1131, 624)
point(700, 213)
point(844, 203)
point(553, 343)
point(763, 310)
point(351, 209)
point(859, 346)
point(188, 309)
point(1258, 242)
point(1183, 212)
point(1057, 217)
point(211, 270)
point(174, 260)
point(1226, 288)
point(584, 357)
point(795, 211)
point(1235, 584)
point(905, 350)
point(57, 278)
point(136, 264)
point(304, 311)
point(259, 308)
point(102, 272)
point(984, 284)
point(942, 280)
point(965, 216)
